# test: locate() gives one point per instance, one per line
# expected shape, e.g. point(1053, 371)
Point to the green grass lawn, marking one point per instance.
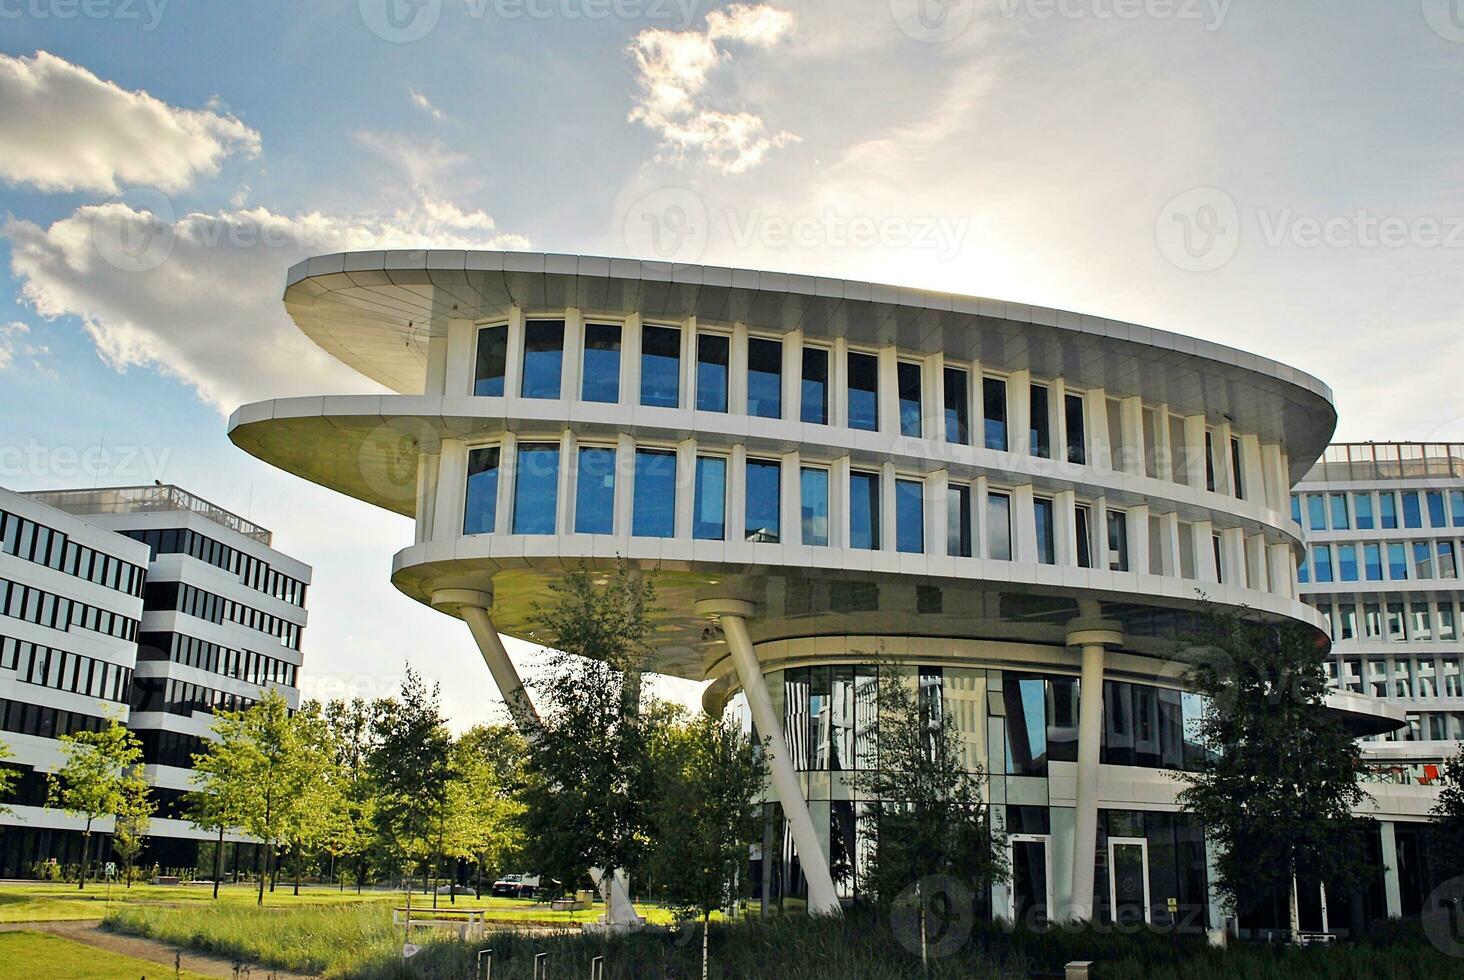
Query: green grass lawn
point(56, 902)
point(37, 956)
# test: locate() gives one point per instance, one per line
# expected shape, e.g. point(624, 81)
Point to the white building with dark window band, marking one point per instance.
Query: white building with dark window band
point(1021, 504)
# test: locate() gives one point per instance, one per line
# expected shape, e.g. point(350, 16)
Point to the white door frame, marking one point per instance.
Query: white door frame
point(1143, 844)
point(1046, 841)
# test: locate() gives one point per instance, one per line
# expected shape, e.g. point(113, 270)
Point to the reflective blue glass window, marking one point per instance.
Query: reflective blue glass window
point(1397, 561)
point(1412, 511)
point(1042, 515)
point(957, 406)
point(660, 367)
point(1303, 570)
point(1422, 559)
point(653, 506)
point(907, 374)
point(492, 358)
point(1447, 568)
point(1362, 511)
point(764, 485)
point(814, 394)
point(1316, 512)
point(1436, 516)
point(910, 516)
point(1296, 507)
point(1388, 509)
point(958, 520)
point(1041, 429)
point(602, 363)
point(764, 378)
point(709, 512)
point(1025, 700)
point(1340, 520)
point(482, 492)
point(594, 494)
point(712, 351)
point(863, 391)
point(1372, 560)
point(813, 492)
point(1347, 562)
point(1322, 562)
point(1456, 504)
point(543, 358)
point(1077, 437)
point(864, 510)
point(999, 526)
point(536, 488)
point(994, 405)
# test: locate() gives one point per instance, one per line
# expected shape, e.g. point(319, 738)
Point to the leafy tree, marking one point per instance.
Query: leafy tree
point(488, 763)
point(1278, 785)
point(349, 731)
point(317, 814)
point(101, 772)
point(7, 778)
point(705, 815)
point(410, 763)
point(1448, 820)
point(588, 780)
point(133, 823)
point(928, 817)
point(222, 798)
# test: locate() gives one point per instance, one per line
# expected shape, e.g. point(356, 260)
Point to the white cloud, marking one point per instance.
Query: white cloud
point(206, 308)
point(425, 104)
point(67, 130)
point(673, 71)
point(15, 343)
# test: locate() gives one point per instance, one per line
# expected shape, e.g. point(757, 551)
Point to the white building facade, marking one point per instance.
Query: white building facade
point(1021, 505)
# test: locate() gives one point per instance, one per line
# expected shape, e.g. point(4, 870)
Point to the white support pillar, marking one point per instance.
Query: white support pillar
point(1093, 637)
point(733, 613)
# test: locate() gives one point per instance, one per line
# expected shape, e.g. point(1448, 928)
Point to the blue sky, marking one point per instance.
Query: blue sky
point(1288, 179)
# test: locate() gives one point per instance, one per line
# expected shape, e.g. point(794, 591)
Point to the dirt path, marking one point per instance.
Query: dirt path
point(151, 950)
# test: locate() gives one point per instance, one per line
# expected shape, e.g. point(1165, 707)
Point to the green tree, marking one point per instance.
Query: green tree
point(317, 814)
point(706, 813)
point(1279, 781)
point(349, 728)
point(102, 769)
point(410, 763)
point(132, 826)
point(488, 763)
point(7, 778)
point(1448, 820)
point(928, 817)
point(222, 797)
point(588, 781)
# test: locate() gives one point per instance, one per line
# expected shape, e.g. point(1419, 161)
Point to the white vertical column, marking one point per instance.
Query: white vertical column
point(887, 507)
point(1194, 451)
point(839, 503)
point(574, 351)
point(1169, 547)
point(427, 471)
point(839, 385)
point(1019, 413)
point(452, 486)
point(630, 358)
point(507, 477)
point(1232, 548)
point(737, 493)
point(1024, 525)
point(1092, 638)
point(687, 363)
point(1255, 563)
point(887, 398)
point(686, 487)
point(737, 371)
point(792, 373)
point(1137, 519)
point(1252, 478)
point(457, 372)
point(435, 382)
point(1095, 418)
point(1065, 527)
point(790, 514)
point(1204, 546)
point(624, 484)
point(568, 480)
point(513, 362)
point(1283, 570)
point(932, 397)
point(1277, 479)
point(937, 513)
point(1131, 419)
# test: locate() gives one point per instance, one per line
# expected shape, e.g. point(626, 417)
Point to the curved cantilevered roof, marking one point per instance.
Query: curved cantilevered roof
point(376, 311)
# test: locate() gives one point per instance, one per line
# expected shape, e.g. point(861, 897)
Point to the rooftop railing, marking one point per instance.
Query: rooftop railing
point(156, 499)
point(1389, 461)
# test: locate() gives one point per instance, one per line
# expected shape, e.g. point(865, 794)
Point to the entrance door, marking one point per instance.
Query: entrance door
point(1031, 892)
point(1128, 880)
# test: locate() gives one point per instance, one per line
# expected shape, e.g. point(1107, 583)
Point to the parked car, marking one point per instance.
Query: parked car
point(516, 886)
point(454, 890)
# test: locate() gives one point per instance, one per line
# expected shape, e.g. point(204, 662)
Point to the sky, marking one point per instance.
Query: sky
point(1283, 178)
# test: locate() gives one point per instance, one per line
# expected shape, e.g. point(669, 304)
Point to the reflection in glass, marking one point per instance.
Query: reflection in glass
point(999, 526)
point(660, 366)
point(864, 510)
point(1042, 516)
point(1118, 560)
point(958, 520)
point(594, 495)
point(764, 378)
point(907, 376)
point(543, 358)
point(709, 512)
point(910, 516)
point(863, 391)
point(957, 407)
point(536, 488)
point(1025, 699)
point(994, 405)
point(601, 381)
point(711, 372)
point(653, 510)
point(482, 492)
point(492, 358)
point(1040, 434)
point(814, 394)
point(813, 492)
point(764, 484)
point(1077, 440)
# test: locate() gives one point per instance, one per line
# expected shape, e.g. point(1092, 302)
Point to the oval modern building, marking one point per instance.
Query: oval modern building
point(1023, 505)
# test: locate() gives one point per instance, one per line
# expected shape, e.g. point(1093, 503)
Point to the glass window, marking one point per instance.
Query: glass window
point(1422, 560)
point(1025, 700)
point(1235, 470)
point(1339, 512)
point(1218, 554)
point(492, 357)
point(813, 492)
point(994, 407)
point(1412, 512)
point(1372, 560)
point(536, 488)
point(1372, 622)
point(709, 513)
point(482, 494)
point(864, 510)
point(814, 393)
point(1362, 510)
point(765, 378)
point(1456, 504)
point(1322, 562)
point(1316, 512)
point(653, 510)
point(543, 358)
point(863, 391)
point(910, 516)
point(1082, 533)
point(1296, 507)
point(1118, 559)
point(1042, 517)
point(1395, 621)
point(1040, 443)
point(601, 373)
point(1346, 621)
point(907, 373)
point(1347, 562)
point(1388, 509)
point(764, 487)
point(957, 407)
point(1436, 516)
point(712, 351)
point(594, 492)
point(958, 520)
point(660, 385)
point(1447, 568)
point(1077, 439)
point(999, 526)
point(1397, 561)
point(1209, 460)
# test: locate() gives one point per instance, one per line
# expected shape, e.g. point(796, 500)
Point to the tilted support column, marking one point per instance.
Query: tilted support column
point(733, 613)
point(473, 606)
point(1093, 637)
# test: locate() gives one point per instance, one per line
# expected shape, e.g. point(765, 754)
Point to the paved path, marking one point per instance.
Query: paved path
point(147, 949)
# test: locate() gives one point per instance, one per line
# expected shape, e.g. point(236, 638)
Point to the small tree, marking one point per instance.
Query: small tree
point(222, 797)
point(1448, 820)
point(928, 817)
point(706, 813)
point(133, 823)
point(1277, 788)
point(349, 728)
point(101, 771)
point(588, 780)
point(7, 778)
point(488, 762)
